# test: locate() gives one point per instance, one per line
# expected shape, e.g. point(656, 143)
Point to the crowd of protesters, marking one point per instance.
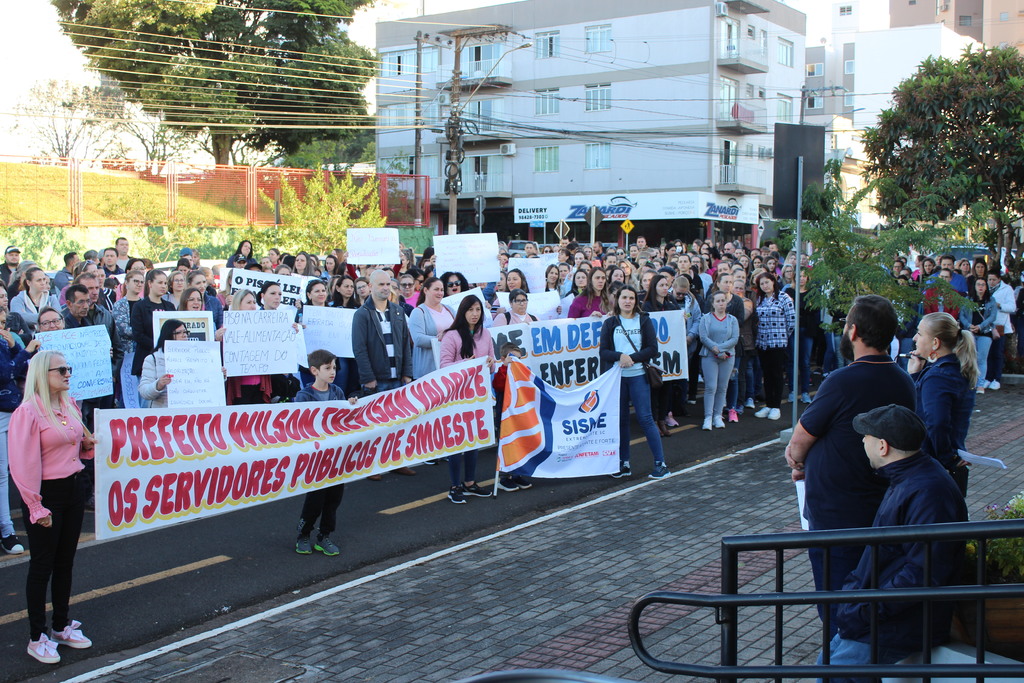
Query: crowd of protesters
point(738, 304)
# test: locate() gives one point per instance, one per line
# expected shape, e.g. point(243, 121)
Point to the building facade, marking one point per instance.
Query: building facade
point(660, 111)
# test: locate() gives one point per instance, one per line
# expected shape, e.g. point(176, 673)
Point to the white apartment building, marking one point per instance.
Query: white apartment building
point(660, 111)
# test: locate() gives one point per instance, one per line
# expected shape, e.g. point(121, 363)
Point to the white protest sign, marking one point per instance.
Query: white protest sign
point(454, 300)
point(293, 287)
point(473, 255)
point(196, 377)
point(87, 350)
point(198, 323)
point(259, 343)
point(542, 305)
point(373, 246)
point(534, 269)
point(329, 329)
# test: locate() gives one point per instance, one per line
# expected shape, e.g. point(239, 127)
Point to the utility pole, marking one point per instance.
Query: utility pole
point(805, 92)
point(417, 159)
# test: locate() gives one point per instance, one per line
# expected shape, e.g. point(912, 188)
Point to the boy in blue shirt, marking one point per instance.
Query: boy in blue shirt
point(321, 503)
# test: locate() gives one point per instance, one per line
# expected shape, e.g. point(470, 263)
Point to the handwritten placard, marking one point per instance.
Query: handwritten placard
point(87, 351)
point(198, 323)
point(293, 287)
point(329, 329)
point(373, 246)
point(259, 343)
point(534, 269)
point(473, 255)
point(543, 305)
point(197, 380)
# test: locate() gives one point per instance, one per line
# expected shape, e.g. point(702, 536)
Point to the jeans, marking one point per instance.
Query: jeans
point(996, 359)
point(322, 503)
point(53, 550)
point(773, 365)
point(906, 346)
point(982, 345)
point(732, 393)
point(833, 359)
point(6, 523)
point(843, 560)
point(806, 344)
point(455, 467)
point(716, 380)
point(637, 390)
point(843, 652)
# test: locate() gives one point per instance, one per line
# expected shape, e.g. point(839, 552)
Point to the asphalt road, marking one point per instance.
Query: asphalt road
point(136, 590)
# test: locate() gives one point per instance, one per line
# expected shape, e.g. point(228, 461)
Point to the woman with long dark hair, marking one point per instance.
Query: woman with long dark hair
point(142, 316)
point(629, 339)
point(591, 302)
point(776, 318)
point(980, 323)
point(343, 292)
point(661, 299)
point(154, 381)
point(244, 250)
point(944, 365)
point(52, 442)
point(427, 324)
point(466, 338)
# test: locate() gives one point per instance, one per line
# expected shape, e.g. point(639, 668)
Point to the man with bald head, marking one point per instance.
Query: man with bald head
point(382, 342)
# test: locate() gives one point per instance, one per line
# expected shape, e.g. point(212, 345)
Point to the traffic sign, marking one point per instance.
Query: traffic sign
point(594, 217)
point(562, 230)
point(536, 224)
point(626, 226)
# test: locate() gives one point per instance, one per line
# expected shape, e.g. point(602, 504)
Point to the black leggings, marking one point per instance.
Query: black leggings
point(53, 550)
point(773, 367)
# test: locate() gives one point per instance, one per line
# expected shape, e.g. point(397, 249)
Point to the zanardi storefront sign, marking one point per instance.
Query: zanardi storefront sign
point(639, 206)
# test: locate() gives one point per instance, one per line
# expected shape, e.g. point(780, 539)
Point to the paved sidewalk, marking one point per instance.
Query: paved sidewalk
point(553, 593)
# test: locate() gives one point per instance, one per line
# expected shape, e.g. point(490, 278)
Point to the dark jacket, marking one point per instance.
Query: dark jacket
point(142, 330)
point(368, 344)
point(648, 342)
point(920, 492)
point(13, 364)
point(334, 393)
point(945, 402)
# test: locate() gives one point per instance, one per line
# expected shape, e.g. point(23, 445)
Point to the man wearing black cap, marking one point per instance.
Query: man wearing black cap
point(842, 492)
point(12, 257)
point(920, 492)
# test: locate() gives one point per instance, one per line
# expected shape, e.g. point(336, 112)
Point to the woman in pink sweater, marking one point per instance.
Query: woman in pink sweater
point(466, 338)
point(52, 441)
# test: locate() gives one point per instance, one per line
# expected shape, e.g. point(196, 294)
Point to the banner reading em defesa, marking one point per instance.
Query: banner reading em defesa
point(161, 467)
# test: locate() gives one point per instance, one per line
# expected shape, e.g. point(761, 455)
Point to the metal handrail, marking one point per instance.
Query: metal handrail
point(727, 603)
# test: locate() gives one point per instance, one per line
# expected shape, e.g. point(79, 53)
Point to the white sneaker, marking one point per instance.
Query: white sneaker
point(993, 385)
point(774, 414)
point(763, 412)
point(983, 384)
point(707, 424)
point(718, 422)
point(749, 403)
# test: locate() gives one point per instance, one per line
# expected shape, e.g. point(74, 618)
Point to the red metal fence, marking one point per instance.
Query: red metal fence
point(75, 192)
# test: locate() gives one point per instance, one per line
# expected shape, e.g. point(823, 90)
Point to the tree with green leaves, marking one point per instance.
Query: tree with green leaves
point(272, 73)
point(318, 220)
point(954, 136)
point(849, 262)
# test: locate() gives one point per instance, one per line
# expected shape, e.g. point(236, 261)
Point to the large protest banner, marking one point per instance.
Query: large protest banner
point(328, 328)
point(260, 343)
point(373, 246)
point(198, 323)
point(293, 287)
point(475, 255)
point(566, 353)
point(87, 350)
point(548, 432)
point(171, 465)
point(196, 377)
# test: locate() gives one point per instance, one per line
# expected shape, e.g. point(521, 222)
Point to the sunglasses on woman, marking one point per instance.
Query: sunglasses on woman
point(64, 370)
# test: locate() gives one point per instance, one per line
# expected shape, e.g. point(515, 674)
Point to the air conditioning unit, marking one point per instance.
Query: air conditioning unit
point(721, 9)
point(444, 99)
point(508, 149)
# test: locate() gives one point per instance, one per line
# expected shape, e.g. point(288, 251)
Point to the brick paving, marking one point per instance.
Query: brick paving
point(556, 594)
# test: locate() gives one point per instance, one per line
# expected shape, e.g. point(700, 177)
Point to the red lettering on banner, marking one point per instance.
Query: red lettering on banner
point(237, 489)
point(122, 502)
point(281, 472)
point(152, 497)
point(184, 493)
point(202, 484)
point(240, 426)
point(300, 467)
point(118, 440)
point(256, 471)
point(177, 425)
point(166, 494)
point(224, 481)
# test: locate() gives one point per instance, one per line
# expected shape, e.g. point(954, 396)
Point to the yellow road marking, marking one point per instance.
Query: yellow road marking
point(485, 484)
point(124, 585)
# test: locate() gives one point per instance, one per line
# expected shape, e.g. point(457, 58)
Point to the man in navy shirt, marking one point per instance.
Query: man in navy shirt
point(920, 492)
point(843, 491)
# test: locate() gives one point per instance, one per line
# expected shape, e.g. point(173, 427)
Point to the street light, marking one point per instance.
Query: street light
point(453, 166)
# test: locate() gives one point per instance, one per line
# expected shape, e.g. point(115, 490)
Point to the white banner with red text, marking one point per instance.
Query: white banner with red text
point(166, 466)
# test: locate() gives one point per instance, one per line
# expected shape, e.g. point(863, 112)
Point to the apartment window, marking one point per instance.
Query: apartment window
point(964, 20)
point(546, 102)
point(848, 100)
point(750, 91)
point(764, 152)
point(815, 102)
point(599, 155)
point(403, 62)
point(761, 93)
point(748, 150)
point(598, 38)
point(546, 44)
point(751, 32)
point(545, 159)
point(784, 109)
point(848, 66)
point(1004, 16)
point(396, 115)
point(846, 10)
point(485, 111)
point(816, 69)
point(785, 52)
point(598, 97)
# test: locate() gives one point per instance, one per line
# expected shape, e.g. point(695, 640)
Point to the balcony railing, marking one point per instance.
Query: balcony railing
point(744, 56)
point(739, 176)
point(747, 116)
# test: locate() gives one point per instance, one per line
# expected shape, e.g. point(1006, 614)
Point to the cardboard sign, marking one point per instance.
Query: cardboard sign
point(329, 329)
point(87, 351)
point(260, 343)
point(198, 323)
point(293, 287)
point(197, 379)
point(373, 246)
point(473, 255)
